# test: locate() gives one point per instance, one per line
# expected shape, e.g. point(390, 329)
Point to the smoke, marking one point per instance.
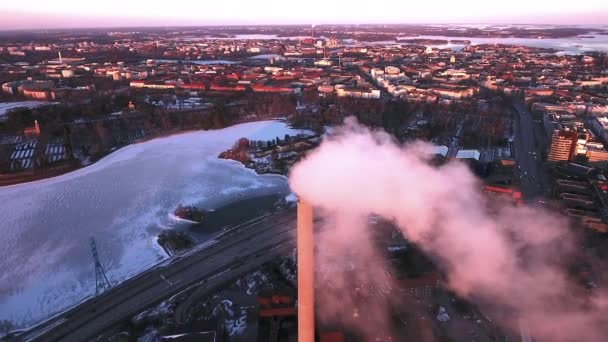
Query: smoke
point(510, 260)
point(346, 295)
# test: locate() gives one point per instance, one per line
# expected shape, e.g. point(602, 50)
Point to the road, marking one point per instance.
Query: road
point(527, 153)
point(235, 253)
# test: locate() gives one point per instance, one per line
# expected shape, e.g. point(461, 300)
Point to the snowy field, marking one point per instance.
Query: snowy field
point(5, 107)
point(123, 201)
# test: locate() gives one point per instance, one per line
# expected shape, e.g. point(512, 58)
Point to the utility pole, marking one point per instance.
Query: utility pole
point(101, 280)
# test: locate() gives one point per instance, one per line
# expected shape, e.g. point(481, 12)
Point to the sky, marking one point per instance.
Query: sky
point(43, 14)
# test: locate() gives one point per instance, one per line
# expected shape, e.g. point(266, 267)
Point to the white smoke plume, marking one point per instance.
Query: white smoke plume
point(508, 259)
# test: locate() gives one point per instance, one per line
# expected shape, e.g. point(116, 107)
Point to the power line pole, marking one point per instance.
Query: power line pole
point(101, 280)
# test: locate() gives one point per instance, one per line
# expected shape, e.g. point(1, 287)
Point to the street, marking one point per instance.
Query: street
point(237, 252)
point(527, 154)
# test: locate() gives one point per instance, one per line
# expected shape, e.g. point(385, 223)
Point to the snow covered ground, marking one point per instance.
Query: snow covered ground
point(123, 201)
point(5, 107)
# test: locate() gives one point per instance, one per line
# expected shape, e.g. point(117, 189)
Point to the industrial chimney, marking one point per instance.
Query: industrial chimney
point(306, 293)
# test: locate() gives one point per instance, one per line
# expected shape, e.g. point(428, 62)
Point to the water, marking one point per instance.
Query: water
point(230, 215)
point(573, 45)
point(197, 61)
point(123, 201)
point(254, 37)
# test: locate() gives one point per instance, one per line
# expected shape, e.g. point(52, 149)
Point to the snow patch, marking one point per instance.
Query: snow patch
point(443, 316)
point(291, 198)
point(236, 326)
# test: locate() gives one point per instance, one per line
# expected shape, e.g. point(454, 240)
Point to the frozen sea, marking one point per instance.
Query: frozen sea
point(123, 201)
point(571, 45)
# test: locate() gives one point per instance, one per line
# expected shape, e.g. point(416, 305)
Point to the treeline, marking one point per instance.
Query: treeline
point(55, 117)
point(329, 111)
point(96, 138)
point(482, 124)
point(88, 131)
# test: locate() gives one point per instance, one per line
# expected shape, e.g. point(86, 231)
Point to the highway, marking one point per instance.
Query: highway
point(234, 253)
point(527, 153)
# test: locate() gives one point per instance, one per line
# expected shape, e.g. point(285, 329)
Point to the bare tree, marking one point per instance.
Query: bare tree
point(6, 326)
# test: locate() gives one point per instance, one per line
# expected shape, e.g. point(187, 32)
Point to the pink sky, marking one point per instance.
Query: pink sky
point(108, 13)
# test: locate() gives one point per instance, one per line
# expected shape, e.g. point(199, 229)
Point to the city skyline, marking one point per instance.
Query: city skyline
point(113, 13)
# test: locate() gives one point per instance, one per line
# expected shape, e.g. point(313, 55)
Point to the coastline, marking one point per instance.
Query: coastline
point(249, 205)
point(31, 176)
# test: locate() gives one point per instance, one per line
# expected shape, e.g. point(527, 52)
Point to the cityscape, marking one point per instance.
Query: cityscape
point(354, 176)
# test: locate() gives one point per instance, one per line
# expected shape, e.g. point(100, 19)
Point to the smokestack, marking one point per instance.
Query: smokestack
point(60, 58)
point(306, 293)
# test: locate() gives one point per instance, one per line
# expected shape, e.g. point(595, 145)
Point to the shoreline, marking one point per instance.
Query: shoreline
point(166, 255)
point(31, 176)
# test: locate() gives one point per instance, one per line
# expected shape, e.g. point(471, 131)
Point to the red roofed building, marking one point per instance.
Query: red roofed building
point(232, 76)
point(137, 84)
point(260, 88)
point(194, 86)
point(282, 77)
point(251, 76)
point(515, 195)
point(32, 132)
point(217, 87)
point(539, 92)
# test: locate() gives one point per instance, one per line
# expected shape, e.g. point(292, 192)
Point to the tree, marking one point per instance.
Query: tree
point(40, 158)
point(67, 141)
point(103, 135)
point(6, 327)
point(241, 144)
point(5, 154)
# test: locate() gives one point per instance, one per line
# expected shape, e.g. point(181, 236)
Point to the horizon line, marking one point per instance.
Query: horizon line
point(118, 27)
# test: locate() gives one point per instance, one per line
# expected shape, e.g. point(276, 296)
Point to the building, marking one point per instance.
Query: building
point(32, 132)
point(422, 286)
point(40, 90)
point(358, 93)
point(599, 125)
point(277, 317)
point(441, 150)
point(595, 152)
point(498, 191)
point(323, 63)
point(468, 154)
point(563, 146)
point(67, 73)
point(594, 156)
point(453, 93)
